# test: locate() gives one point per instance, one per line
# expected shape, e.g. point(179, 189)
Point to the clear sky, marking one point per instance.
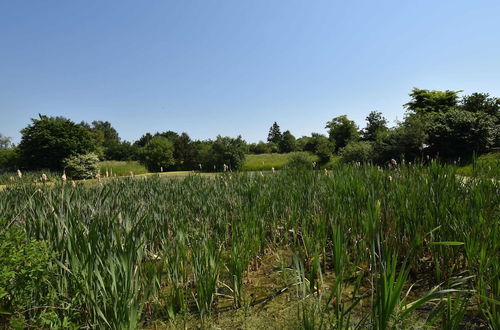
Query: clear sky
point(233, 67)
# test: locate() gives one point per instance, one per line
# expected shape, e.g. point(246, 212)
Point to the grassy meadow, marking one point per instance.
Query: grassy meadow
point(352, 247)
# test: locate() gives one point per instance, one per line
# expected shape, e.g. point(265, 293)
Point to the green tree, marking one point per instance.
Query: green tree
point(158, 153)
point(122, 150)
point(5, 142)
point(143, 140)
point(426, 101)
point(357, 151)
point(287, 143)
point(274, 134)
point(259, 148)
point(107, 134)
point(228, 151)
point(342, 130)
point(184, 152)
point(459, 133)
point(376, 125)
point(49, 140)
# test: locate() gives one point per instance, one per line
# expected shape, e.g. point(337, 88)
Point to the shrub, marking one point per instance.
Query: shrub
point(299, 161)
point(8, 159)
point(84, 166)
point(158, 153)
point(357, 152)
point(26, 271)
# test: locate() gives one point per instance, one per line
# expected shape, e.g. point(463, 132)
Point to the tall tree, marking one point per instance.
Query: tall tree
point(376, 125)
point(158, 153)
point(49, 140)
point(426, 101)
point(274, 134)
point(287, 143)
point(108, 135)
point(342, 130)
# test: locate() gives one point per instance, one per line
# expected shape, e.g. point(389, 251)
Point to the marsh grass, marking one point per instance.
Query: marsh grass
point(134, 251)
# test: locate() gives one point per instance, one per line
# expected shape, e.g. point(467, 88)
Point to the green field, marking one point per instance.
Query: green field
point(357, 246)
point(265, 162)
point(121, 168)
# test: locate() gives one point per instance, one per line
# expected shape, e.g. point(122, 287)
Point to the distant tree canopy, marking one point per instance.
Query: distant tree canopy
point(5, 142)
point(455, 128)
point(158, 154)
point(342, 130)
point(436, 123)
point(49, 140)
point(274, 134)
point(287, 143)
point(376, 126)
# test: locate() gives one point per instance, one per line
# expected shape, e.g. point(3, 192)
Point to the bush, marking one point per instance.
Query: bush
point(228, 151)
point(8, 159)
point(299, 161)
point(357, 152)
point(84, 166)
point(158, 153)
point(26, 270)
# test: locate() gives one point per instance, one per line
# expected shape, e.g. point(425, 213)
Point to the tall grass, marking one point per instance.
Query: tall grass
point(133, 250)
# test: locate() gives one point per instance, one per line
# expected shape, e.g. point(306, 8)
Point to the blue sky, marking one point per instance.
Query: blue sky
point(233, 67)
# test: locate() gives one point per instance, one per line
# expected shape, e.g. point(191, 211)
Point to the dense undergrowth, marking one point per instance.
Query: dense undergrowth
point(365, 247)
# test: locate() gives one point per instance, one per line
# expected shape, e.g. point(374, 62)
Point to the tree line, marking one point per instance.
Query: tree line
point(436, 123)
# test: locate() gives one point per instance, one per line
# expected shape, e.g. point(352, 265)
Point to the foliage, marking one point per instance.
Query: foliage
point(287, 142)
point(157, 153)
point(9, 159)
point(299, 161)
point(342, 130)
point(26, 275)
point(259, 148)
point(49, 140)
point(459, 133)
point(227, 151)
point(5, 142)
point(376, 126)
point(82, 166)
point(357, 151)
point(124, 151)
point(425, 101)
point(274, 134)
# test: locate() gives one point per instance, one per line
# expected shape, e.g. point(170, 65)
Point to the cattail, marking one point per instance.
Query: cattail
point(272, 168)
point(19, 174)
point(63, 177)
